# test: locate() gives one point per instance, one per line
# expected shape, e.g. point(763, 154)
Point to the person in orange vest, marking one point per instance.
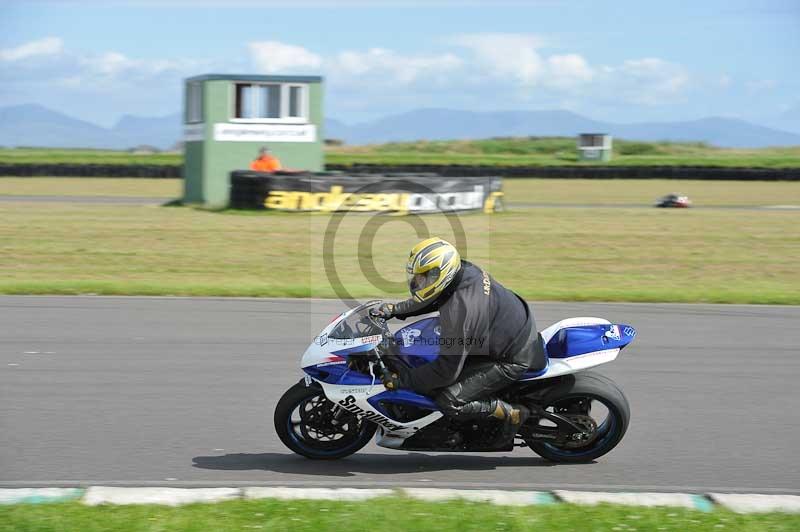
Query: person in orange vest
point(266, 162)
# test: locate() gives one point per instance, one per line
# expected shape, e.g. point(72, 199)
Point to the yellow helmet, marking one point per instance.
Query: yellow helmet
point(432, 266)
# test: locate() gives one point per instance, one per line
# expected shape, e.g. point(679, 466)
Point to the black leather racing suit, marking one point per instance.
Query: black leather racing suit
point(488, 340)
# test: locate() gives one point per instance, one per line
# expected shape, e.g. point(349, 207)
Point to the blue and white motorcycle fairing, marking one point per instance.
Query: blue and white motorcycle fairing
point(572, 345)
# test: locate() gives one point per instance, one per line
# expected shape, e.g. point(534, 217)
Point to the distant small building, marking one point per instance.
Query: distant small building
point(594, 147)
point(144, 149)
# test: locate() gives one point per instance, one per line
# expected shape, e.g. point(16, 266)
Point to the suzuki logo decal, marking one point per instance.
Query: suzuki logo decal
point(409, 335)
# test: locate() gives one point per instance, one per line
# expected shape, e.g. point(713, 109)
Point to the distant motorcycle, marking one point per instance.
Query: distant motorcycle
point(576, 415)
point(676, 201)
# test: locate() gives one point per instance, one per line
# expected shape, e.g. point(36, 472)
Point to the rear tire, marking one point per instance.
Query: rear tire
point(310, 434)
point(597, 388)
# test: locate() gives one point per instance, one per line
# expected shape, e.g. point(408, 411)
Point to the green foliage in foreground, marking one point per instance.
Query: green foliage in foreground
point(391, 515)
point(517, 151)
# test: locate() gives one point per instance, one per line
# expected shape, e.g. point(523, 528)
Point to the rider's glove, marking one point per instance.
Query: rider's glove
point(391, 380)
point(385, 311)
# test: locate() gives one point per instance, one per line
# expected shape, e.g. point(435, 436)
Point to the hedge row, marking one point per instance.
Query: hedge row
point(573, 172)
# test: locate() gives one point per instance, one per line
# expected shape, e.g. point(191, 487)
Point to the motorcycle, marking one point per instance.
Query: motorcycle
point(341, 403)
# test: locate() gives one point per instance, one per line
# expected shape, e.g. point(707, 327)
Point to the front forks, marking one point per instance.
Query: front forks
point(337, 414)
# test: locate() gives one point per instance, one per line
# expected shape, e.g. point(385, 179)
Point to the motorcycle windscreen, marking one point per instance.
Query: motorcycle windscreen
point(418, 343)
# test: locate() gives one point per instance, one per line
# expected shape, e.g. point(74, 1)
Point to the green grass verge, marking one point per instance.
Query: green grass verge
point(695, 255)
point(377, 515)
point(523, 151)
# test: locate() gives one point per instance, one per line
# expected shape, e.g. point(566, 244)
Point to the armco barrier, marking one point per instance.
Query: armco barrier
point(545, 172)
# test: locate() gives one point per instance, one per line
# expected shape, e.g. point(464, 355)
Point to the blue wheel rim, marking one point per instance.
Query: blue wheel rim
point(608, 428)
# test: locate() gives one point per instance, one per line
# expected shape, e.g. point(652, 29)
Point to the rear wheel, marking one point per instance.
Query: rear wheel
point(594, 403)
point(312, 426)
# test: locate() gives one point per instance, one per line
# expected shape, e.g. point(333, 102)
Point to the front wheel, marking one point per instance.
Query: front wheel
point(312, 426)
point(593, 402)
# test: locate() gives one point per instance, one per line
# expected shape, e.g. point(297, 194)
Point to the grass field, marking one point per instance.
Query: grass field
point(524, 151)
point(558, 152)
point(378, 515)
point(646, 191)
point(75, 156)
point(90, 186)
point(612, 254)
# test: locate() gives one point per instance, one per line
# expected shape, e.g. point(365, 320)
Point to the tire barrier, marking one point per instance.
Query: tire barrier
point(587, 172)
point(167, 171)
point(453, 170)
point(391, 193)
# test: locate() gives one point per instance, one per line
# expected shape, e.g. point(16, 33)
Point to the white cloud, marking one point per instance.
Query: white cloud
point(272, 57)
point(568, 70)
point(46, 63)
point(510, 65)
point(355, 68)
point(648, 81)
point(114, 64)
point(509, 56)
point(107, 64)
point(114, 70)
point(383, 67)
point(478, 71)
point(517, 58)
point(41, 47)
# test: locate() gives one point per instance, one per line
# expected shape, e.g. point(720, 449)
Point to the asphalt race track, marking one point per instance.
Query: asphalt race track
point(171, 391)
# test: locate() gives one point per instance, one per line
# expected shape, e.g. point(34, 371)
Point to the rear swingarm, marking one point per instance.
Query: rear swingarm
point(564, 431)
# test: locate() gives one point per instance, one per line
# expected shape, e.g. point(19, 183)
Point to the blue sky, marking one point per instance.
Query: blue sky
point(619, 60)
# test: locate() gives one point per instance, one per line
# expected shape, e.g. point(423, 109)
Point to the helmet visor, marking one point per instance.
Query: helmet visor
point(421, 281)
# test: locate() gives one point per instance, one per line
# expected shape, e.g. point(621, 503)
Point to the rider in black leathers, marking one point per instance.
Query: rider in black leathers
point(479, 319)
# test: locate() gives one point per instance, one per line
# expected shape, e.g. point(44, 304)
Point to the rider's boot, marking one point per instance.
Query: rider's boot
point(512, 416)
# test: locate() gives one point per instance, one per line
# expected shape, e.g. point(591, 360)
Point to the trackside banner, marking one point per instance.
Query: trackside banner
point(390, 193)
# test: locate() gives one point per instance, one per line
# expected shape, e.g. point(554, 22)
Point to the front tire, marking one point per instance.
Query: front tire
point(586, 388)
point(304, 423)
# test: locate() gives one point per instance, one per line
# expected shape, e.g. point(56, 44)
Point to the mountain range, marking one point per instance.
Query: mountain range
point(35, 125)
point(435, 124)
